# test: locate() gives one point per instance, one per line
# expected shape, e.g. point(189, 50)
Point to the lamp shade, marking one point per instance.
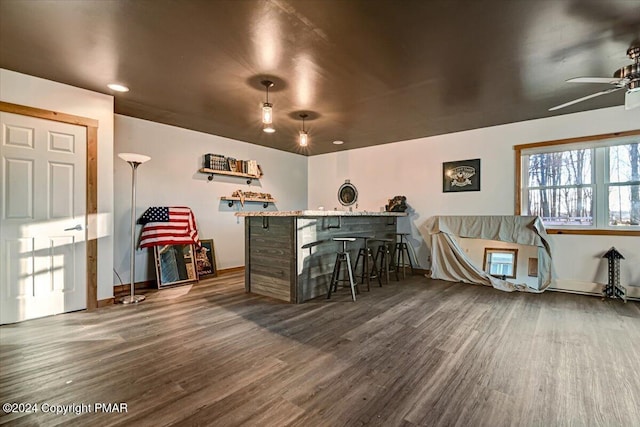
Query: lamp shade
point(133, 157)
point(267, 109)
point(304, 138)
point(267, 113)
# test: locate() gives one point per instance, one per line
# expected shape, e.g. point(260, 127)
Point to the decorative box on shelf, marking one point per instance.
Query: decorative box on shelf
point(248, 196)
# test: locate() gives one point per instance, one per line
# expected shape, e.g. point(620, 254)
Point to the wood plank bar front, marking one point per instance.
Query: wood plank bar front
point(290, 255)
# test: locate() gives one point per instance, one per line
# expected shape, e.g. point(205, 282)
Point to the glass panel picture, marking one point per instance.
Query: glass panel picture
point(174, 264)
point(501, 262)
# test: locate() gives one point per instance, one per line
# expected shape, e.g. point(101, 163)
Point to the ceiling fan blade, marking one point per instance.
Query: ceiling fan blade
point(609, 80)
point(584, 98)
point(632, 99)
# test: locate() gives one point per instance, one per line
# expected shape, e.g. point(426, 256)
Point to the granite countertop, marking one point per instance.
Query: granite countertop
point(321, 213)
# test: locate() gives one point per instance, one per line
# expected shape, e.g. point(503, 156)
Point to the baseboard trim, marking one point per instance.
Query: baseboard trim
point(231, 270)
point(106, 302)
point(125, 289)
point(589, 294)
point(120, 290)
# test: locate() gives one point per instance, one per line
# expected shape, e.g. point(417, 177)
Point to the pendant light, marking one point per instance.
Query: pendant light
point(304, 136)
point(267, 109)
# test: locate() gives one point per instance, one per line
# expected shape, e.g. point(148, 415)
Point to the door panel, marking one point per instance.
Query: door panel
point(61, 142)
point(17, 266)
point(18, 136)
point(18, 183)
point(43, 223)
point(61, 190)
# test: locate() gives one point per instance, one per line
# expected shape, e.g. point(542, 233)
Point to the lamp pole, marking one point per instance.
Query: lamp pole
point(134, 161)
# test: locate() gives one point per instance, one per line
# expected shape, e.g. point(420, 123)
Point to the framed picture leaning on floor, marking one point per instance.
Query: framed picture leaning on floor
point(206, 259)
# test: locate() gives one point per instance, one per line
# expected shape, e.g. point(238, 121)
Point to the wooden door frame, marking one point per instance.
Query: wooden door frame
point(91, 182)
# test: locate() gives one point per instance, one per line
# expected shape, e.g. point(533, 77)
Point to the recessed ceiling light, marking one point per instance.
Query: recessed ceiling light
point(338, 142)
point(117, 87)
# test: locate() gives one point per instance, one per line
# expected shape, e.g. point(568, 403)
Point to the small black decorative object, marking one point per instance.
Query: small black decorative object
point(397, 204)
point(613, 289)
point(347, 193)
point(463, 175)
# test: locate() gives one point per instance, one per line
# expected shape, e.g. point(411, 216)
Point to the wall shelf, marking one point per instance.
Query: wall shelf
point(232, 200)
point(212, 172)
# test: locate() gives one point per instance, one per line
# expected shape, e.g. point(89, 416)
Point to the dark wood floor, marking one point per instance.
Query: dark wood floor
point(417, 352)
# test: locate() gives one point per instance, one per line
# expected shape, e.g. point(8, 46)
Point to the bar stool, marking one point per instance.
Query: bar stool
point(367, 273)
point(383, 253)
point(343, 257)
point(398, 254)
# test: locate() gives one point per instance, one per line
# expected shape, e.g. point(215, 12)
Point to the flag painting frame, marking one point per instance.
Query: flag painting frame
point(175, 265)
point(206, 259)
point(461, 175)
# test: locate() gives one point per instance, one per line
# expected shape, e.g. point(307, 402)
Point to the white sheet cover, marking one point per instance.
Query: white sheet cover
point(449, 261)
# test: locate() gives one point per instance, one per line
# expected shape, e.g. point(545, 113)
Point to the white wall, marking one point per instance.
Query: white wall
point(31, 91)
point(171, 178)
point(414, 169)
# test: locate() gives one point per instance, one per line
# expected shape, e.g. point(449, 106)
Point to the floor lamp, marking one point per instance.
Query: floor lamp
point(134, 160)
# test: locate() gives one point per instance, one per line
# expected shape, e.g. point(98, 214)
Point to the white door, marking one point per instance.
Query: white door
point(43, 218)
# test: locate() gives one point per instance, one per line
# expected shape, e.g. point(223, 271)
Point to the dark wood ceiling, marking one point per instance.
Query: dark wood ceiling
point(366, 71)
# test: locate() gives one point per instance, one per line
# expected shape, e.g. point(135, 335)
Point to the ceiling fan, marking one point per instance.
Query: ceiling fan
point(627, 77)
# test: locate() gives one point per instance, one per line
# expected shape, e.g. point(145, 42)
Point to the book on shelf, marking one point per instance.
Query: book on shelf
point(252, 167)
point(215, 162)
point(223, 163)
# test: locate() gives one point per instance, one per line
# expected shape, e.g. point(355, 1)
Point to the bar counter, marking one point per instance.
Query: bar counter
point(289, 255)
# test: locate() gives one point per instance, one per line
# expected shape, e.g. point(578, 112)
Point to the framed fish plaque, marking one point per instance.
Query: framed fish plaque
point(462, 175)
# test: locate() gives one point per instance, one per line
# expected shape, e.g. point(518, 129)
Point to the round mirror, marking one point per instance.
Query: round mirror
point(347, 194)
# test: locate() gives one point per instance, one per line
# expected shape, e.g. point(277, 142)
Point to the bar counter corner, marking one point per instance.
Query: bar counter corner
point(289, 255)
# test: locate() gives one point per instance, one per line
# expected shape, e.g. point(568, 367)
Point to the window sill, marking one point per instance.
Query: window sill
point(593, 232)
point(501, 277)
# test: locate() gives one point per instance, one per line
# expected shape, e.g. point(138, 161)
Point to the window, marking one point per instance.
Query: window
point(583, 183)
point(501, 262)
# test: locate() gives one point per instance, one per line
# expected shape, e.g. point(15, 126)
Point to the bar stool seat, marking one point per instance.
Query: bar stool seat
point(343, 260)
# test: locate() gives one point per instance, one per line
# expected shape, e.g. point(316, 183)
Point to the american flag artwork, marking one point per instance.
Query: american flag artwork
point(168, 226)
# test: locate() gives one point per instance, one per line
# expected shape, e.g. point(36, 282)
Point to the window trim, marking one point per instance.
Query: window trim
point(518, 181)
point(488, 251)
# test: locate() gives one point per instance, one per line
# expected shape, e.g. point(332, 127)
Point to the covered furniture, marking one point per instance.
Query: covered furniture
point(449, 261)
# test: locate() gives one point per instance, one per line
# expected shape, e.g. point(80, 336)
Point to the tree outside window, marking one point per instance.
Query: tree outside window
point(583, 184)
